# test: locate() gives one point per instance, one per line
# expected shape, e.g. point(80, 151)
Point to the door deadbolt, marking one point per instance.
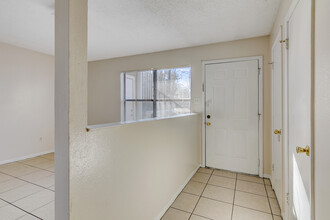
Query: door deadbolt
point(208, 116)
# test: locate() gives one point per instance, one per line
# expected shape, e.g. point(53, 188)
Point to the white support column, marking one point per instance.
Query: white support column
point(70, 95)
point(322, 109)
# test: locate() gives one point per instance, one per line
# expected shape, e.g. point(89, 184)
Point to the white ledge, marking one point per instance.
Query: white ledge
point(92, 127)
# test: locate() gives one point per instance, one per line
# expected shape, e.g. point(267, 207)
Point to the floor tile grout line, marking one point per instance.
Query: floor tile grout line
point(24, 181)
point(9, 203)
point(219, 175)
point(33, 163)
point(189, 213)
point(43, 206)
point(24, 196)
point(22, 163)
point(237, 190)
point(251, 182)
point(188, 193)
point(201, 194)
point(35, 167)
point(251, 193)
point(221, 186)
point(232, 211)
point(27, 182)
point(208, 197)
point(257, 210)
point(224, 176)
point(40, 169)
point(46, 157)
point(216, 200)
point(226, 203)
point(203, 216)
point(235, 193)
point(270, 207)
point(178, 210)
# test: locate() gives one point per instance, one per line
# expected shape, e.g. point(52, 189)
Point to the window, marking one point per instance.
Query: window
point(156, 93)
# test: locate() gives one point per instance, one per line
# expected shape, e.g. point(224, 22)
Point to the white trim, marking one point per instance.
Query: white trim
point(260, 107)
point(122, 94)
point(25, 157)
point(277, 40)
point(285, 116)
point(285, 124)
point(160, 215)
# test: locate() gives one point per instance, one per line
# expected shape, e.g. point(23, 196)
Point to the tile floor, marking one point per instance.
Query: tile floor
point(27, 189)
point(27, 193)
point(223, 195)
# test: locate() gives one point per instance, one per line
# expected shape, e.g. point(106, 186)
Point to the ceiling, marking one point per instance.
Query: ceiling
point(119, 28)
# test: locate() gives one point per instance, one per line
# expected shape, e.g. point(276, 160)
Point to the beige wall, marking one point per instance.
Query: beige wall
point(27, 103)
point(322, 109)
point(134, 171)
point(104, 78)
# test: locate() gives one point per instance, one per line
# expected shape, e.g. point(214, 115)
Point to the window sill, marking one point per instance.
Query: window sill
point(98, 126)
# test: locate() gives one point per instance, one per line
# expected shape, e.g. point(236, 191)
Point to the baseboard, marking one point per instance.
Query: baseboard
point(25, 157)
point(160, 215)
point(267, 176)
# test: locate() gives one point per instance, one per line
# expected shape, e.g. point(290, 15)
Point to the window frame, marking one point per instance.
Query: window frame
point(154, 99)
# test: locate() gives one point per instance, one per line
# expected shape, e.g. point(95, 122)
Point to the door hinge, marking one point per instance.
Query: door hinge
point(259, 71)
point(272, 167)
point(203, 87)
point(286, 41)
point(259, 116)
point(287, 198)
point(258, 162)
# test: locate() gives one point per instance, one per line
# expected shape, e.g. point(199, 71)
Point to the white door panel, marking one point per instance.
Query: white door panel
point(299, 104)
point(277, 119)
point(232, 104)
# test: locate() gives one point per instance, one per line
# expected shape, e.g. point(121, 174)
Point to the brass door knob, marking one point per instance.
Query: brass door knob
point(303, 150)
point(208, 123)
point(277, 131)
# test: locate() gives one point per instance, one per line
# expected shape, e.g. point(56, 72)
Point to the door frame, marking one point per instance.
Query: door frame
point(285, 116)
point(278, 39)
point(260, 105)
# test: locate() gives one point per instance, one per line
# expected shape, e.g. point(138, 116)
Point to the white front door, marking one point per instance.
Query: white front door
point(277, 119)
point(231, 101)
point(299, 112)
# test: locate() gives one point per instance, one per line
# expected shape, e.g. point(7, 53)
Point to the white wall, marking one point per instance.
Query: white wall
point(322, 109)
point(27, 103)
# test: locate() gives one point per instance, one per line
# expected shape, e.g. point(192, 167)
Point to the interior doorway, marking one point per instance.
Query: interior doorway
point(299, 78)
